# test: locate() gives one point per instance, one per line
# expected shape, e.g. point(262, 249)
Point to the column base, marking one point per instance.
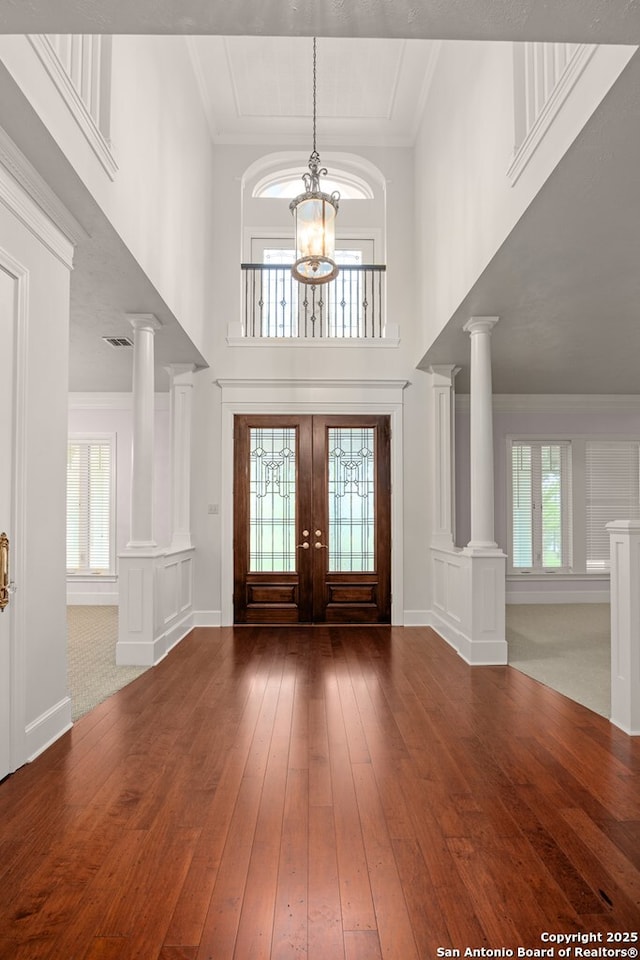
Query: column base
point(469, 603)
point(485, 641)
point(137, 614)
point(155, 604)
point(482, 549)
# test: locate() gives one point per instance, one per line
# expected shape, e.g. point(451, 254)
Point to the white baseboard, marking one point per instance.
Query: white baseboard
point(47, 728)
point(76, 599)
point(559, 596)
point(475, 653)
point(132, 653)
point(630, 731)
point(176, 633)
point(417, 618)
point(207, 618)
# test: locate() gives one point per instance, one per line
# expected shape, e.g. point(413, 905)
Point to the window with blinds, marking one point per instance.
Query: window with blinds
point(90, 514)
point(540, 506)
point(612, 482)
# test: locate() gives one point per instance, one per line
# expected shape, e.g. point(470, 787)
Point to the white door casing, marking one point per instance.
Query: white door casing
point(8, 294)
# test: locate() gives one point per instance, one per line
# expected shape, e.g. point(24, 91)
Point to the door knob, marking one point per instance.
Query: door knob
point(305, 545)
point(318, 533)
point(321, 546)
point(5, 584)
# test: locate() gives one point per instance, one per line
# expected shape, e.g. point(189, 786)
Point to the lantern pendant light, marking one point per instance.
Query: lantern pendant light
point(314, 213)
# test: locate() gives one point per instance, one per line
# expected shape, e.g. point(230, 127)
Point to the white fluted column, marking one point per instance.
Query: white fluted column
point(144, 327)
point(181, 406)
point(481, 428)
point(442, 380)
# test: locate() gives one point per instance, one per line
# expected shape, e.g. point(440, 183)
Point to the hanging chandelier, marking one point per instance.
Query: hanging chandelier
point(314, 213)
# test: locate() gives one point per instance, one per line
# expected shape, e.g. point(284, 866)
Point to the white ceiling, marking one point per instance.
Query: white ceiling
point(595, 21)
point(257, 89)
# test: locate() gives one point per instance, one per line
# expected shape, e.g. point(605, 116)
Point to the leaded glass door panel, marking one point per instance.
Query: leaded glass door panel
point(311, 519)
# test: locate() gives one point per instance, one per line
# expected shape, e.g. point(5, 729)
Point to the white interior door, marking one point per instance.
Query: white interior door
point(8, 285)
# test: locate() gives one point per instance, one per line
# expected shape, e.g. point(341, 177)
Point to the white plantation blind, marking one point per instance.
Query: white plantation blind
point(522, 506)
point(540, 506)
point(89, 507)
point(612, 471)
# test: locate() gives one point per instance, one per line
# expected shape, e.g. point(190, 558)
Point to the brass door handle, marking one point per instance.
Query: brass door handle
point(321, 546)
point(5, 585)
point(305, 546)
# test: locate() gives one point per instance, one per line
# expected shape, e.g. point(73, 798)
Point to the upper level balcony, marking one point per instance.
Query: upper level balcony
point(276, 306)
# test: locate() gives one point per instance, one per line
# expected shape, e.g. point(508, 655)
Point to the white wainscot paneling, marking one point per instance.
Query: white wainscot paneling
point(468, 603)
point(155, 604)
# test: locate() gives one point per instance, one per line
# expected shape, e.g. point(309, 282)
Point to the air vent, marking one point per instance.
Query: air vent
point(118, 341)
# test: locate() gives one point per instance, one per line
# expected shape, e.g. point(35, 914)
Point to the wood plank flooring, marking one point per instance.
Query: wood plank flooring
point(329, 793)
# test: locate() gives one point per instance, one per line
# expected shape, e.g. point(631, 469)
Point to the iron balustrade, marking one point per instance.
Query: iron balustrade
point(277, 306)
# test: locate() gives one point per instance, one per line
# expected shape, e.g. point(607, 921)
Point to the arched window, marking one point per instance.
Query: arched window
point(287, 184)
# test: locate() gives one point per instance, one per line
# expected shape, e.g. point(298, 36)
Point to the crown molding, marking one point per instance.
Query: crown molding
point(22, 206)
point(26, 175)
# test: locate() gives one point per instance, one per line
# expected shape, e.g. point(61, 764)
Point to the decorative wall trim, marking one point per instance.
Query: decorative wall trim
point(155, 604)
point(21, 205)
point(469, 603)
point(47, 728)
point(566, 82)
point(557, 402)
point(558, 596)
point(14, 160)
point(76, 105)
point(78, 599)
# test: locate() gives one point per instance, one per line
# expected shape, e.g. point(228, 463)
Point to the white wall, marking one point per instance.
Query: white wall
point(539, 417)
point(40, 703)
point(112, 414)
point(394, 169)
point(284, 362)
point(466, 205)
point(159, 200)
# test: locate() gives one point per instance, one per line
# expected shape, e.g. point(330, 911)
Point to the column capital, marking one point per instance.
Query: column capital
point(144, 321)
point(181, 373)
point(444, 374)
point(477, 325)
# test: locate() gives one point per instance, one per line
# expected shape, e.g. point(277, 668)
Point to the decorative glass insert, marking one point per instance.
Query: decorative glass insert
point(351, 452)
point(272, 500)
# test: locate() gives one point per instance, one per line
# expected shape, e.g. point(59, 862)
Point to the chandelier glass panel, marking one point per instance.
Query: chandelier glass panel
point(314, 213)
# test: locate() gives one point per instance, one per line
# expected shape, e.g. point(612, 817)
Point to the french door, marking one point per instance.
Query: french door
point(312, 519)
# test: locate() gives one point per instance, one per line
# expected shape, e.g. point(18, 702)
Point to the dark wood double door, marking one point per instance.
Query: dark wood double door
point(312, 519)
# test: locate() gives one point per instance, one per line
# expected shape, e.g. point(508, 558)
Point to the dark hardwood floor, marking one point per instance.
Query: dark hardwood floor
point(329, 793)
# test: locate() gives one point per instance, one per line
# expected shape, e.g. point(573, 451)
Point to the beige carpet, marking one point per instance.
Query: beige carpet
point(566, 647)
point(92, 671)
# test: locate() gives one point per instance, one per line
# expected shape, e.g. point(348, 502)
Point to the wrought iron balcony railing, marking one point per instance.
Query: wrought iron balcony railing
point(277, 306)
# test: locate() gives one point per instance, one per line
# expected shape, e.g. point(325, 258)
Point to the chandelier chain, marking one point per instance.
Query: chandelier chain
point(314, 93)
